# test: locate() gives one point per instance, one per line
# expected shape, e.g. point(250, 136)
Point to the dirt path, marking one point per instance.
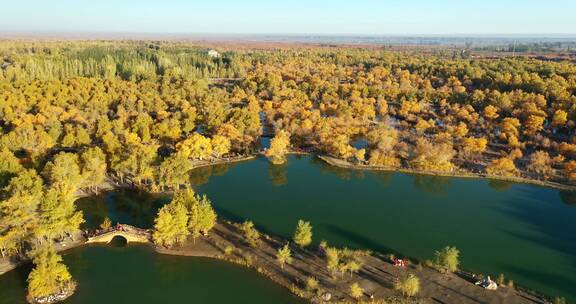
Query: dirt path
point(377, 275)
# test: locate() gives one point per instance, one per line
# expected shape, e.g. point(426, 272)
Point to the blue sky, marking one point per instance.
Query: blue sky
point(292, 16)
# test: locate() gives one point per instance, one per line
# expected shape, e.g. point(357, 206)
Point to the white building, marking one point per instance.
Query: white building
point(213, 53)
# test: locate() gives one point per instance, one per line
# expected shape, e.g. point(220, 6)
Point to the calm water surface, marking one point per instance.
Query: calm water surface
point(526, 232)
point(136, 274)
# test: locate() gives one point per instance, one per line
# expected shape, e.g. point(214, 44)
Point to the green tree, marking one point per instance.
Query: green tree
point(171, 225)
point(93, 167)
point(250, 233)
point(409, 286)
point(332, 258)
point(559, 300)
point(174, 171)
point(58, 216)
point(136, 159)
point(284, 256)
point(349, 261)
point(303, 234)
point(18, 211)
point(202, 217)
point(9, 166)
point(447, 259)
point(49, 276)
point(63, 172)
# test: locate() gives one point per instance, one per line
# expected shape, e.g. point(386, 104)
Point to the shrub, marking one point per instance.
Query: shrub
point(250, 233)
point(311, 283)
point(559, 300)
point(408, 286)
point(106, 224)
point(356, 291)
point(447, 259)
point(229, 250)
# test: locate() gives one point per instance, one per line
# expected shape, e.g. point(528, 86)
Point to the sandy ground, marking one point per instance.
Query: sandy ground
point(377, 275)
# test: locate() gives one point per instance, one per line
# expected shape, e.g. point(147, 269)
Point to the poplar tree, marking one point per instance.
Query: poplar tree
point(250, 233)
point(49, 276)
point(284, 256)
point(171, 225)
point(58, 216)
point(278, 147)
point(93, 167)
point(18, 211)
point(174, 172)
point(9, 166)
point(202, 216)
point(303, 234)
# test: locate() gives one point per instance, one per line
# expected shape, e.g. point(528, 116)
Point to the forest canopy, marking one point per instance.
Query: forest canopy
point(75, 114)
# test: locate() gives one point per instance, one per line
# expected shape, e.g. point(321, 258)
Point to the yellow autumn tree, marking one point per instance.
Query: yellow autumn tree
point(560, 118)
point(49, 277)
point(195, 147)
point(490, 112)
point(429, 156)
point(534, 124)
point(570, 170)
point(278, 147)
point(503, 166)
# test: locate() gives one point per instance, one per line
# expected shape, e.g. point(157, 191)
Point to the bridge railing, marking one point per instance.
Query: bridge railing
point(119, 227)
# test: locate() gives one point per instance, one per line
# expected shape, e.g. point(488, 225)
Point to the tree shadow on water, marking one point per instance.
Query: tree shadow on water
point(500, 185)
point(552, 225)
point(342, 173)
point(559, 282)
point(363, 242)
point(278, 174)
point(568, 198)
point(433, 185)
point(236, 218)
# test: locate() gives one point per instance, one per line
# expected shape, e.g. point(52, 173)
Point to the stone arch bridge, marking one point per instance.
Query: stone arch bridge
point(130, 233)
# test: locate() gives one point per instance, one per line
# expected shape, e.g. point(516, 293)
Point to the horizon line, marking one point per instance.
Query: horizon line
point(292, 34)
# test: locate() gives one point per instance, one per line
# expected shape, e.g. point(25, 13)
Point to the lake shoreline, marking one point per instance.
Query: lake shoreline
point(329, 160)
point(377, 275)
point(340, 163)
point(113, 183)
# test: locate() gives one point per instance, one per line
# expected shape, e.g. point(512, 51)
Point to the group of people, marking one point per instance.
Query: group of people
point(399, 263)
point(487, 283)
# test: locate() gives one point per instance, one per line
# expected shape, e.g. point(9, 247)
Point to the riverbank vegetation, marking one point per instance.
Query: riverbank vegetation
point(187, 214)
point(50, 280)
point(342, 275)
point(77, 116)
